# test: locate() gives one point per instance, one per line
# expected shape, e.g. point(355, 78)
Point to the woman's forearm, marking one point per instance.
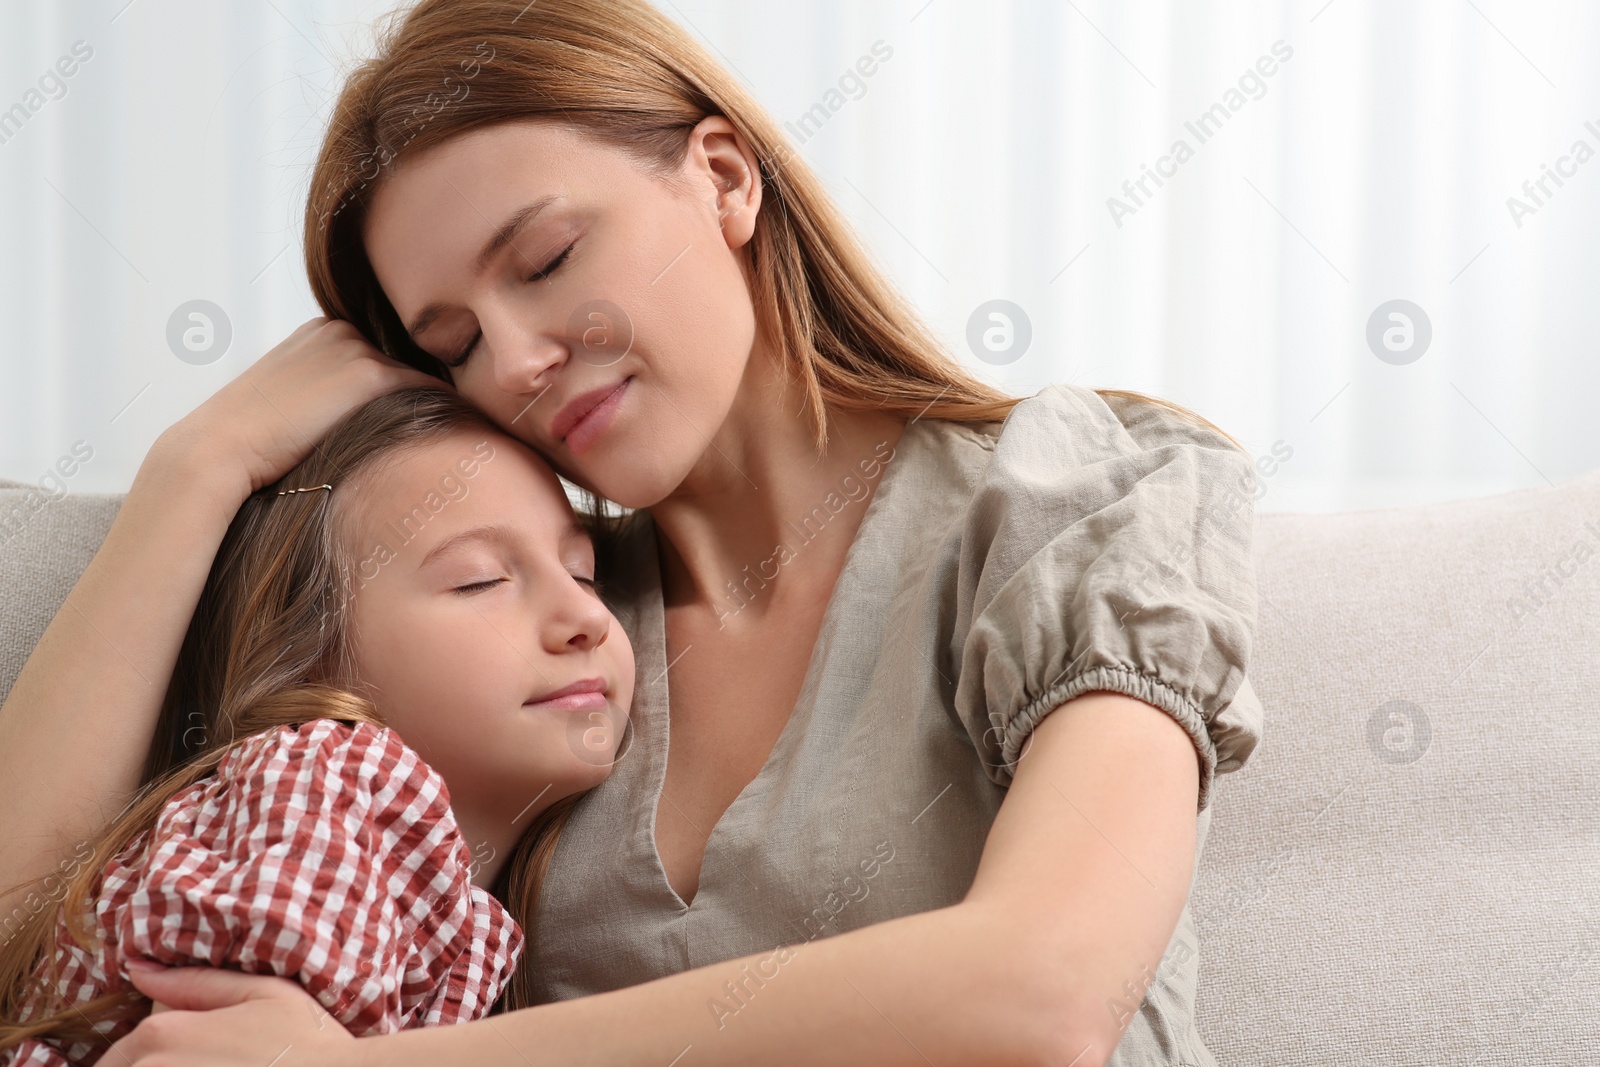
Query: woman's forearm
point(924, 988)
point(86, 703)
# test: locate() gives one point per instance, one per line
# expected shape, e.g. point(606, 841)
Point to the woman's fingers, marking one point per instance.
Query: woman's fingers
point(206, 988)
point(268, 418)
point(222, 1018)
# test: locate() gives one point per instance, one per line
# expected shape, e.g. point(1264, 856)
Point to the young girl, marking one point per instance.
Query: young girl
point(420, 576)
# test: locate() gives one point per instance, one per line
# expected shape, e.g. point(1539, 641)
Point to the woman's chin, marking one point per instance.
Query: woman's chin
point(631, 485)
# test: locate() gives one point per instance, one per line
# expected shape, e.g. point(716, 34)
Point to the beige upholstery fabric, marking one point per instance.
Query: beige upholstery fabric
point(1353, 910)
point(43, 549)
point(1372, 894)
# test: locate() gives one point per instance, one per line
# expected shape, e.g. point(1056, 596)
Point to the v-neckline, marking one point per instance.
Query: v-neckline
point(655, 629)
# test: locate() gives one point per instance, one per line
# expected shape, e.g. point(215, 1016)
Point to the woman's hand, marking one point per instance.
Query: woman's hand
point(268, 418)
point(218, 1018)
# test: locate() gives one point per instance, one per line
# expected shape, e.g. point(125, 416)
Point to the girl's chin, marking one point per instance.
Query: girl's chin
point(525, 791)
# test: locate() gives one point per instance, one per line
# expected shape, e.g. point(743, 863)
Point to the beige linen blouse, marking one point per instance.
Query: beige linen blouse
point(1000, 569)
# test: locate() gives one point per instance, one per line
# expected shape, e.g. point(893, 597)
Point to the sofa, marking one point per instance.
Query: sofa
point(1404, 871)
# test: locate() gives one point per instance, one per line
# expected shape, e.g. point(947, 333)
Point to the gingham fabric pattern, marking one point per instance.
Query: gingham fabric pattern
point(325, 853)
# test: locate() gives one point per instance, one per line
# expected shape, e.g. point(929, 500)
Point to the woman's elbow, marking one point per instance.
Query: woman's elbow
point(1037, 1009)
point(1058, 1030)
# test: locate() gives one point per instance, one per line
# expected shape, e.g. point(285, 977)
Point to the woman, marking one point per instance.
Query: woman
point(950, 672)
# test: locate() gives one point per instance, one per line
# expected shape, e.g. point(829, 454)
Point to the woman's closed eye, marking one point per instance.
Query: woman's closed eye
point(464, 354)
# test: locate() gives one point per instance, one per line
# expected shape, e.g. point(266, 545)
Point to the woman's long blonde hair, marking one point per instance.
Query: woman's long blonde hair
point(269, 645)
point(622, 73)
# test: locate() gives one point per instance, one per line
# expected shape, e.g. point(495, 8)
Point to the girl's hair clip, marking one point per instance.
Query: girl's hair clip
point(307, 489)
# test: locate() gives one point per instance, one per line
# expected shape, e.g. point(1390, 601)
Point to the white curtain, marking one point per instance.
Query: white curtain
point(1336, 157)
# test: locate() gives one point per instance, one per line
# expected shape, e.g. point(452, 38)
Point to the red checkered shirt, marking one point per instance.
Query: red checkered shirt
point(324, 853)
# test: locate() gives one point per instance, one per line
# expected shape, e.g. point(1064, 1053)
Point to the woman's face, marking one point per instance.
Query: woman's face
point(617, 279)
point(473, 601)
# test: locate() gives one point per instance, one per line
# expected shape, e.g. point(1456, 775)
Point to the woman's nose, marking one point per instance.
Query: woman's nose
point(521, 355)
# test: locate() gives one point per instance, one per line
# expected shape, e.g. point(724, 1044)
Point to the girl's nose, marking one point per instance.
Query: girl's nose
point(579, 621)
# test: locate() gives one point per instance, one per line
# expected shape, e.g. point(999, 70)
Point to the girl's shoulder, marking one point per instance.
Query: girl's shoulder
point(355, 783)
point(331, 745)
point(369, 765)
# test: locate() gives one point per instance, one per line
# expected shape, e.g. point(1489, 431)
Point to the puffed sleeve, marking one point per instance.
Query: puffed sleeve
point(1108, 547)
point(325, 853)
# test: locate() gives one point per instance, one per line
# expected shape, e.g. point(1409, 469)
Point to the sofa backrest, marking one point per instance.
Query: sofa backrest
point(46, 541)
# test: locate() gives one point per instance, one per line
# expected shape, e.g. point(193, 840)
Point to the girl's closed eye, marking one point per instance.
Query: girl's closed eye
point(477, 587)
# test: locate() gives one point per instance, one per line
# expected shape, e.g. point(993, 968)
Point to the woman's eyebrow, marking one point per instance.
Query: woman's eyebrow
point(503, 235)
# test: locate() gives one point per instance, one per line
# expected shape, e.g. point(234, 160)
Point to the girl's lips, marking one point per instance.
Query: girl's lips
point(580, 696)
point(592, 425)
point(570, 702)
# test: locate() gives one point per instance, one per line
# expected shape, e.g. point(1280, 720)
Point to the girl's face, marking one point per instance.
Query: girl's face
point(549, 270)
point(473, 602)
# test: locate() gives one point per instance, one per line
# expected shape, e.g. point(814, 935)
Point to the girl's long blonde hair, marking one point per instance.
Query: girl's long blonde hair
point(269, 645)
point(622, 73)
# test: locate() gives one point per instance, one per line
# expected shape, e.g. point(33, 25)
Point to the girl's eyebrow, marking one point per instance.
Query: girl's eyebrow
point(576, 531)
point(487, 532)
point(497, 533)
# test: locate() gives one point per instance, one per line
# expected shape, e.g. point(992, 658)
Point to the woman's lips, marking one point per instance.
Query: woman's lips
point(589, 428)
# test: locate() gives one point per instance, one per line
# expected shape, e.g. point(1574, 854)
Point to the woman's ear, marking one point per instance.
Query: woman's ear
point(721, 160)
